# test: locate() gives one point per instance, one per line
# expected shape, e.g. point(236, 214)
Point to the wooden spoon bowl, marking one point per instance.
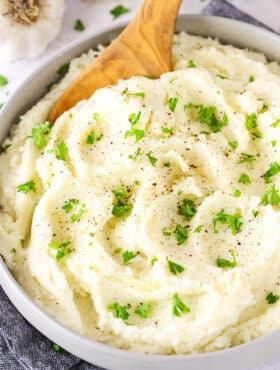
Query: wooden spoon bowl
point(142, 49)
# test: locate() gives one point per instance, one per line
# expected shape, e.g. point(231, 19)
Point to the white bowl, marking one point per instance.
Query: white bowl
point(246, 355)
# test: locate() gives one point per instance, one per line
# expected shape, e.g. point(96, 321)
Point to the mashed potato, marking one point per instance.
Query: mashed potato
point(148, 216)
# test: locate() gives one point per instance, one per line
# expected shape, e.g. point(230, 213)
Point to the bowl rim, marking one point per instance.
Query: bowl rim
point(248, 353)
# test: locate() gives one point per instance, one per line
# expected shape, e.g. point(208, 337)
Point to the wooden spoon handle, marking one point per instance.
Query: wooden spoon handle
point(143, 48)
point(154, 23)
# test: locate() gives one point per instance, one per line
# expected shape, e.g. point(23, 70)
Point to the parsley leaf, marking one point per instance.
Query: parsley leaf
point(57, 348)
point(128, 256)
point(139, 134)
point(198, 229)
point(62, 70)
point(223, 263)
point(272, 298)
point(143, 310)
point(70, 204)
point(236, 193)
point(234, 221)
point(79, 26)
point(119, 311)
point(90, 138)
point(222, 77)
point(251, 78)
point(61, 151)
point(172, 103)
point(175, 268)
point(152, 159)
point(167, 130)
point(3, 81)
point(77, 216)
point(244, 179)
point(251, 121)
point(191, 64)
point(39, 134)
point(178, 306)
point(121, 208)
point(118, 11)
point(246, 158)
point(134, 118)
point(233, 144)
point(62, 249)
point(165, 232)
point(187, 209)
point(181, 234)
point(208, 116)
point(154, 260)
point(26, 187)
point(275, 123)
point(271, 197)
point(5, 148)
point(273, 170)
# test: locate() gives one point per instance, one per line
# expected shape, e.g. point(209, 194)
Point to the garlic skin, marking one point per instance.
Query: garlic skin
point(21, 37)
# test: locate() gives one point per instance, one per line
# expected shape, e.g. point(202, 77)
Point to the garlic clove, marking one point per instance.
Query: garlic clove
point(27, 35)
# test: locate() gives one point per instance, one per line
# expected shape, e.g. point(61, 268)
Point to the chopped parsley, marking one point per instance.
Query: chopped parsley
point(251, 125)
point(178, 306)
point(246, 158)
point(275, 123)
point(222, 77)
point(26, 187)
point(1, 105)
point(224, 263)
point(244, 179)
point(154, 260)
point(233, 144)
point(68, 206)
point(236, 193)
point(61, 151)
point(3, 81)
point(273, 170)
point(166, 232)
point(234, 221)
point(137, 94)
point(96, 117)
point(198, 229)
point(62, 249)
point(167, 130)
point(208, 116)
point(251, 121)
point(272, 298)
point(117, 250)
point(128, 256)
point(251, 78)
point(271, 196)
point(191, 64)
point(118, 10)
point(167, 164)
point(13, 250)
point(77, 216)
point(175, 268)
point(153, 160)
point(181, 234)
point(172, 103)
point(119, 311)
point(273, 143)
point(121, 208)
point(79, 26)
point(255, 213)
point(133, 119)
point(40, 133)
point(187, 209)
point(143, 310)
point(57, 348)
point(90, 138)
point(62, 70)
point(264, 108)
point(5, 148)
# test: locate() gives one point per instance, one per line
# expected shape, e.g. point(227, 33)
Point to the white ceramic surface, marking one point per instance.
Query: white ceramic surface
point(250, 354)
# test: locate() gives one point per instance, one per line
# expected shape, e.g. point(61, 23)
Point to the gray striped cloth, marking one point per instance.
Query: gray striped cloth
point(21, 345)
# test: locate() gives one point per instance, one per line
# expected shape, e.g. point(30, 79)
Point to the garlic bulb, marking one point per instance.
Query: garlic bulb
point(27, 26)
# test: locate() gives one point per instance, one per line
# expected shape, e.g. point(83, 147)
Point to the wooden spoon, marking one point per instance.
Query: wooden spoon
point(142, 49)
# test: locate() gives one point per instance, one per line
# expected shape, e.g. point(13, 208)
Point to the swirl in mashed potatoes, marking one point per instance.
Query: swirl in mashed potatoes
point(148, 216)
